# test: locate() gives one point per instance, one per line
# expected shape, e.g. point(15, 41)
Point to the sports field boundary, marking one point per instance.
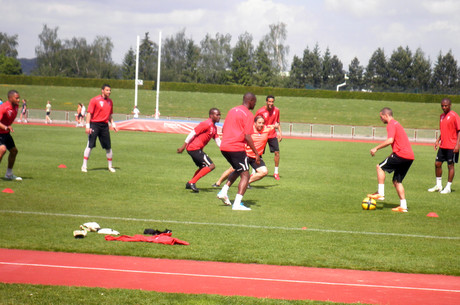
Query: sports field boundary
point(307, 229)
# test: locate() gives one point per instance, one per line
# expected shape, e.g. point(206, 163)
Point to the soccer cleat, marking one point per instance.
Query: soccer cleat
point(435, 188)
point(187, 186)
point(224, 199)
point(84, 169)
point(376, 196)
point(399, 209)
point(13, 177)
point(240, 207)
point(445, 191)
point(215, 185)
point(194, 188)
point(112, 170)
point(277, 176)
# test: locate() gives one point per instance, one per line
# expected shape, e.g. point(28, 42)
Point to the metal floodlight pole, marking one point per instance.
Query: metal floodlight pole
point(137, 73)
point(157, 110)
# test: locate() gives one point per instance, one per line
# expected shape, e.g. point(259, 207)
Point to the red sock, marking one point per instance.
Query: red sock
point(201, 173)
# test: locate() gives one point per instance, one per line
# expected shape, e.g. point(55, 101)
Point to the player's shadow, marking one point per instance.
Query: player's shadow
point(101, 169)
point(388, 205)
point(11, 180)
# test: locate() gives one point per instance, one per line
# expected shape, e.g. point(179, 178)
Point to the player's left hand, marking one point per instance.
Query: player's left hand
point(373, 151)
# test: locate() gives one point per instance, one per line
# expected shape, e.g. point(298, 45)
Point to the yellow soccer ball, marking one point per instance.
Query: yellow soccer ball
point(369, 204)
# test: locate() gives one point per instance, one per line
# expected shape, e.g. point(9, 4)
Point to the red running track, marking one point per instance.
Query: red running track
point(254, 280)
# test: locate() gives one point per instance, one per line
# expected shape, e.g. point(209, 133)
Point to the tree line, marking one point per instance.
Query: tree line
point(214, 60)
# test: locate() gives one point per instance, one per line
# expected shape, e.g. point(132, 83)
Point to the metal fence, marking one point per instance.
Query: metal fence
point(304, 130)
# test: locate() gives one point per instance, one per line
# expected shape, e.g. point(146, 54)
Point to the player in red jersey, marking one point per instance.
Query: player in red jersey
point(399, 161)
point(271, 114)
point(237, 132)
point(99, 114)
point(197, 139)
point(260, 138)
point(8, 112)
point(448, 143)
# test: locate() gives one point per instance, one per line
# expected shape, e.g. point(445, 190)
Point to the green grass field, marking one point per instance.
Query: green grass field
point(197, 104)
point(321, 187)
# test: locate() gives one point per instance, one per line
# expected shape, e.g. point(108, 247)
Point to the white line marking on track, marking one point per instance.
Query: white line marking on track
point(232, 225)
point(228, 277)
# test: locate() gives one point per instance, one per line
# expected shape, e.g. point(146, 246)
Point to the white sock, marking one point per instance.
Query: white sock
point(276, 170)
point(9, 171)
point(108, 153)
point(224, 189)
point(86, 156)
point(439, 182)
point(382, 189)
point(403, 203)
point(448, 185)
point(238, 199)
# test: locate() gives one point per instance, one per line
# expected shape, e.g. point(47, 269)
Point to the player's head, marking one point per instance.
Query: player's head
point(259, 122)
point(106, 90)
point(445, 105)
point(214, 114)
point(13, 97)
point(386, 115)
point(249, 100)
point(270, 102)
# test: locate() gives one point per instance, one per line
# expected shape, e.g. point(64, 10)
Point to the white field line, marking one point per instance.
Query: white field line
point(227, 277)
point(231, 225)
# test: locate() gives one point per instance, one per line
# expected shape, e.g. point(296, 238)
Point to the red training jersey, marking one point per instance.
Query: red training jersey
point(401, 145)
point(8, 113)
point(449, 124)
point(238, 123)
point(260, 140)
point(271, 118)
point(100, 108)
point(204, 132)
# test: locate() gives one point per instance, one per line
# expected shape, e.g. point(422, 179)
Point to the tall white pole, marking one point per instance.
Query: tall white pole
point(157, 110)
point(137, 73)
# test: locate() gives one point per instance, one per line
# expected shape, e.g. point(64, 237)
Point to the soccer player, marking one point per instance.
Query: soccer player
point(23, 115)
point(196, 140)
point(8, 112)
point(100, 110)
point(260, 138)
point(237, 130)
point(271, 114)
point(48, 113)
point(399, 161)
point(448, 143)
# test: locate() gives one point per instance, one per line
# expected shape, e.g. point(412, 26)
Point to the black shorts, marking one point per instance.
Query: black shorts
point(252, 162)
point(397, 164)
point(447, 155)
point(7, 140)
point(200, 158)
point(273, 144)
point(237, 159)
point(101, 131)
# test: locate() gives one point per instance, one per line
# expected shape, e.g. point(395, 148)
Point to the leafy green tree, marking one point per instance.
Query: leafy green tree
point(355, 75)
point(445, 74)
point(76, 54)
point(264, 74)
point(311, 64)
point(9, 65)
point(275, 48)
point(400, 70)
point(421, 71)
point(296, 76)
point(377, 71)
point(101, 58)
point(129, 65)
point(326, 70)
point(242, 61)
point(215, 58)
point(148, 58)
point(8, 45)
point(49, 53)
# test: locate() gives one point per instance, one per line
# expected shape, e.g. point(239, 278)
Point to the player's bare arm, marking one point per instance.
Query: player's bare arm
point(250, 143)
point(384, 144)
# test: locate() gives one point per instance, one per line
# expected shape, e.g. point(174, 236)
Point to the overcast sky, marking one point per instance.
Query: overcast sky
point(348, 27)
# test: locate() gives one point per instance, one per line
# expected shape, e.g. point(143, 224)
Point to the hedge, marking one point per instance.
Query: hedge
point(231, 89)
